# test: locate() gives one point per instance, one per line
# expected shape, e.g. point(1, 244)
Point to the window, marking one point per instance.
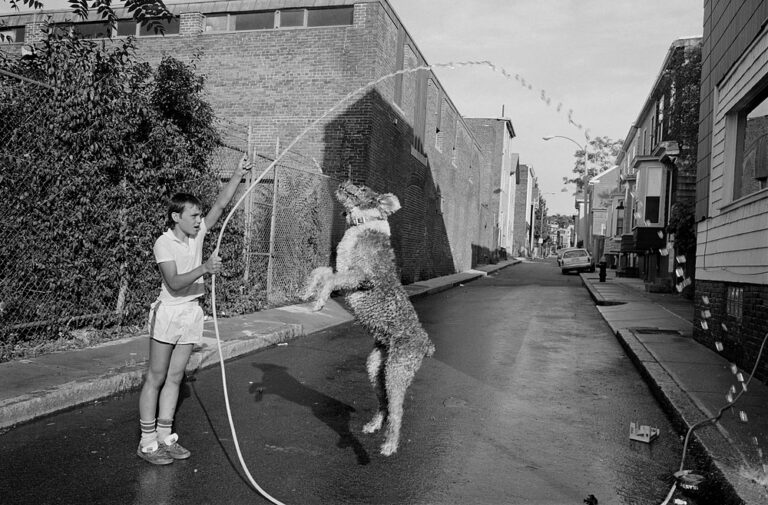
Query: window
point(659, 127)
point(216, 22)
point(11, 34)
point(735, 302)
point(254, 20)
point(89, 30)
point(652, 209)
point(170, 27)
point(92, 30)
point(126, 27)
point(330, 17)
point(751, 172)
point(290, 18)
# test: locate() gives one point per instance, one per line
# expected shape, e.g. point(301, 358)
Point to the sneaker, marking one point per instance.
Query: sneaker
point(155, 454)
point(173, 448)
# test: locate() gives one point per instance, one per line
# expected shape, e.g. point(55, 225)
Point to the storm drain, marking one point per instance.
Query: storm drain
point(655, 331)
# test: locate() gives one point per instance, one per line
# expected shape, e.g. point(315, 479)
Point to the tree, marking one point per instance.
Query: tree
point(147, 12)
point(602, 153)
point(540, 219)
point(561, 220)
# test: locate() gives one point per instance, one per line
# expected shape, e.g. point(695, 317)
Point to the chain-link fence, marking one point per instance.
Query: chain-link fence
point(64, 273)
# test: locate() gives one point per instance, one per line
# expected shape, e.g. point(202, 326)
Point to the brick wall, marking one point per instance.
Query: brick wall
point(520, 236)
point(741, 337)
point(279, 81)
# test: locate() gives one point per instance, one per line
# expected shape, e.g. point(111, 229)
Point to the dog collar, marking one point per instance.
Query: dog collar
point(362, 220)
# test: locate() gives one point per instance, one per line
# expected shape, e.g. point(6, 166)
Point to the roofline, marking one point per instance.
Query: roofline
point(32, 16)
point(677, 43)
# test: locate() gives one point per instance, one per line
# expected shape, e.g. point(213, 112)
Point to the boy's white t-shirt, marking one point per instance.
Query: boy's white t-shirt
point(187, 257)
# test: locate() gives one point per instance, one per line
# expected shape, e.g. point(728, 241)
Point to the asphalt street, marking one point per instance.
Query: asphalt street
point(528, 399)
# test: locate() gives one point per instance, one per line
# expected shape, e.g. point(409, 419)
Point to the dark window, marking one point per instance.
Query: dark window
point(752, 163)
point(12, 34)
point(620, 225)
point(126, 27)
point(170, 27)
point(255, 21)
point(735, 302)
point(92, 30)
point(291, 17)
point(330, 17)
point(652, 209)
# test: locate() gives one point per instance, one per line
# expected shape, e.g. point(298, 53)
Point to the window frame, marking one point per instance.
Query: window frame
point(734, 302)
point(6, 30)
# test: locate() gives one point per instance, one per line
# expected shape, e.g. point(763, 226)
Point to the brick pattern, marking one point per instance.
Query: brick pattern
point(191, 23)
point(279, 81)
point(741, 338)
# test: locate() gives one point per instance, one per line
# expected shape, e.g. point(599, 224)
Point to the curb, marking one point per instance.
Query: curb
point(706, 442)
point(80, 392)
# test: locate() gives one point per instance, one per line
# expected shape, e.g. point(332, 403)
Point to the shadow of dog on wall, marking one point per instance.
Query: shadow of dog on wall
point(366, 272)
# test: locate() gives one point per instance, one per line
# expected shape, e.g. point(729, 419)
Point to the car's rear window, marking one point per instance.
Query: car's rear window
point(574, 254)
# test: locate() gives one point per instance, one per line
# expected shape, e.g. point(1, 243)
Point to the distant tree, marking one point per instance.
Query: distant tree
point(562, 221)
point(539, 223)
point(149, 13)
point(602, 153)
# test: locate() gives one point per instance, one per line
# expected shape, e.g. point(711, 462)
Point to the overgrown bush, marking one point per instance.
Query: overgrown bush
point(86, 169)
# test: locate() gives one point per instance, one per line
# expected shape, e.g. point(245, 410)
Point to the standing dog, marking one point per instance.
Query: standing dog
point(366, 272)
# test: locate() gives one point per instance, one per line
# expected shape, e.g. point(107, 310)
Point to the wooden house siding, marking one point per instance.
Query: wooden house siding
point(729, 29)
point(733, 235)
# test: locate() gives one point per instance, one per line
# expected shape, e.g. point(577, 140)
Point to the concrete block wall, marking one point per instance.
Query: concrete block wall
point(741, 338)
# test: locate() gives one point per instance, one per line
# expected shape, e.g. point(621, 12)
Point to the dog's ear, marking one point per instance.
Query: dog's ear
point(388, 203)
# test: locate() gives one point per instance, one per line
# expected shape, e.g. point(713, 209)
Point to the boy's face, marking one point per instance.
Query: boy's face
point(189, 220)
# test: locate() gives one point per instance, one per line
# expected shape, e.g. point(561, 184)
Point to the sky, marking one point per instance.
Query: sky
point(598, 58)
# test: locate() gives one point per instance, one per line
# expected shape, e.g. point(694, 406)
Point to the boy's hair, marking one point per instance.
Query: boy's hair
point(176, 204)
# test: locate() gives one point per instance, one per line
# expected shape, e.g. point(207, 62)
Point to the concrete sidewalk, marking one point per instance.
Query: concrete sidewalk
point(35, 387)
point(691, 381)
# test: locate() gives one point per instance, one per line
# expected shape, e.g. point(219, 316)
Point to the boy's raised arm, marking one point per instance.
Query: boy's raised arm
point(227, 192)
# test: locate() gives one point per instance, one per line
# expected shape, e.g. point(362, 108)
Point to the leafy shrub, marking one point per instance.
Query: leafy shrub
point(86, 168)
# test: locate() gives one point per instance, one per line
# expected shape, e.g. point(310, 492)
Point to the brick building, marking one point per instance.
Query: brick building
point(278, 65)
point(526, 201)
point(732, 182)
point(499, 184)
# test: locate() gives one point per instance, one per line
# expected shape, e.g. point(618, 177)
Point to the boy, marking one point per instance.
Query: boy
point(175, 318)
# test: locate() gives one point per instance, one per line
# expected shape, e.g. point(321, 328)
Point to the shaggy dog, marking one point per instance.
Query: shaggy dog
point(366, 273)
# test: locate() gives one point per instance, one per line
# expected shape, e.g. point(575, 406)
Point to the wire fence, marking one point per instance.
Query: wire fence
point(63, 273)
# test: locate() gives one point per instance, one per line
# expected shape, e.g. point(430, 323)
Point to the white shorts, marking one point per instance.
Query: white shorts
point(176, 324)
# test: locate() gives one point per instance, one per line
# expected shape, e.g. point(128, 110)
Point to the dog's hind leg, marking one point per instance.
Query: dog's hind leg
point(376, 375)
point(399, 372)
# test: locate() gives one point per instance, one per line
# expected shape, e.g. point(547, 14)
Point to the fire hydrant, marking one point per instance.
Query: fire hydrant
point(602, 269)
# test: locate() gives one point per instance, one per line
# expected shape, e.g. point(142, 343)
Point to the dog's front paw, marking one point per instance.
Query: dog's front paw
point(388, 448)
point(374, 424)
point(315, 280)
point(318, 305)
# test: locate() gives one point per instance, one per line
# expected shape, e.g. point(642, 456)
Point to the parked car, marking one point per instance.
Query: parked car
point(578, 260)
point(560, 254)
